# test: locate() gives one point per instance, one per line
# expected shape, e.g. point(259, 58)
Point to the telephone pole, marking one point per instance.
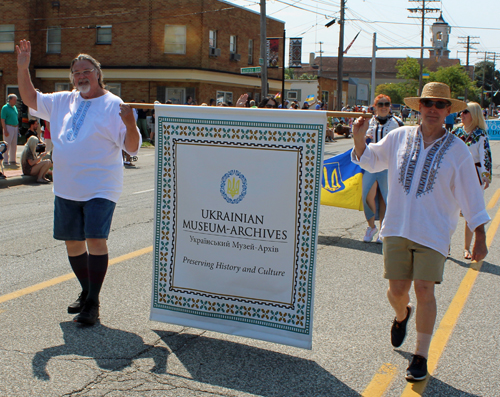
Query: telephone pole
point(424, 11)
point(468, 46)
point(340, 68)
point(263, 49)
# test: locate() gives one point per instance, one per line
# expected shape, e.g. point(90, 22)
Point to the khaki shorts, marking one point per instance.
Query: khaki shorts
point(407, 260)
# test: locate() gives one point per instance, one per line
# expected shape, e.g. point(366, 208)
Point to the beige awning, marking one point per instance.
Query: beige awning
point(187, 75)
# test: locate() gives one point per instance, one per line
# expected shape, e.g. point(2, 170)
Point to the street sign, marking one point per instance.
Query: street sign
point(257, 69)
point(261, 61)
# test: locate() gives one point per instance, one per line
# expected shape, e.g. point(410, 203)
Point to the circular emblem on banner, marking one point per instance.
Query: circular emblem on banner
point(233, 186)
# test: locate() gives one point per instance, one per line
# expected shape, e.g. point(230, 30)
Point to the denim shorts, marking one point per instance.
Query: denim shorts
point(81, 220)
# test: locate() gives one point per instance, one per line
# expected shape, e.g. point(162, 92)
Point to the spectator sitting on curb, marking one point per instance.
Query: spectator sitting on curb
point(32, 162)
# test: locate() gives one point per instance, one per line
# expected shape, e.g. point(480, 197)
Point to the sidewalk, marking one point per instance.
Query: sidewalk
point(14, 175)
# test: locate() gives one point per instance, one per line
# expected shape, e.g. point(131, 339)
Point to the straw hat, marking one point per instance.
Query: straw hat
point(436, 91)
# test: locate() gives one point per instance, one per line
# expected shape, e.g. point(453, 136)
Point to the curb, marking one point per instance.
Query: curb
point(16, 180)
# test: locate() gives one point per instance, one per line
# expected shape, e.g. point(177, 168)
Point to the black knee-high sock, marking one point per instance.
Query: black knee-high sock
point(98, 265)
point(79, 264)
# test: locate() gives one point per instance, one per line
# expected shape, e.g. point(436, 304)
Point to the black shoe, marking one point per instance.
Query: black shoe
point(76, 306)
point(398, 330)
point(417, 369)
point(89, 313)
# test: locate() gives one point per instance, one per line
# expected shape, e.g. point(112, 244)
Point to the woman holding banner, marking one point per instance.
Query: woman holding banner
point(472, 131)
point(375, 184)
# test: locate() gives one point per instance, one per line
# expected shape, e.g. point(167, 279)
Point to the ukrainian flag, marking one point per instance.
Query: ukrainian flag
point(310, 98)
point(341, 182)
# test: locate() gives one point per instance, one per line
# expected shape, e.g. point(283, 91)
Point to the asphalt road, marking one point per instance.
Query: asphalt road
point(43, 353)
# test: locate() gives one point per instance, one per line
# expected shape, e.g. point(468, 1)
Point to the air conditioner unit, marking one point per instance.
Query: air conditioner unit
point(214, 52)
point(235, 57)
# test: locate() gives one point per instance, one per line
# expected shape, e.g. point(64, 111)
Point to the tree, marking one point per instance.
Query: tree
point(409, 69)
point(395, 91)
point(491, 79)
point(307, 76)
point(456, 78)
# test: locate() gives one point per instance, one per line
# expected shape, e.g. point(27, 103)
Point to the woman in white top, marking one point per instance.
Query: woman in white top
point(472, 131)
point(375, 184)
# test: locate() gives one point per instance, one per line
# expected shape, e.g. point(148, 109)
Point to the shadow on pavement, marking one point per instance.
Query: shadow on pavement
point(437, 388)
point(211, 361)
point(486, 268)
point(112, 349)
point(350, 243)
point(252, 370)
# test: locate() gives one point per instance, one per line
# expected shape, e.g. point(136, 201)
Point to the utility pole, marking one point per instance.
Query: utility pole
point(340, 69)
point(422, 10)
point(484, 75)
point(374, 67)
point(263, 48)
point(468, 46)
point(320, 58)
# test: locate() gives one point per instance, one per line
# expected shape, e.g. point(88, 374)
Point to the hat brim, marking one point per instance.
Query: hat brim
point(456, 104)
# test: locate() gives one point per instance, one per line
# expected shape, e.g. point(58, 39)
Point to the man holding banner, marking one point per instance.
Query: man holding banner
point(429, 171)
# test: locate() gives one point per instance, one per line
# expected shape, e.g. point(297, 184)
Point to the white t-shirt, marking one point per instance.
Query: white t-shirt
point(427, 187)
point(88, 138)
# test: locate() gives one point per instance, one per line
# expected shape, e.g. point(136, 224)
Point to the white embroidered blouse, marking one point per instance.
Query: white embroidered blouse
point(427, 186)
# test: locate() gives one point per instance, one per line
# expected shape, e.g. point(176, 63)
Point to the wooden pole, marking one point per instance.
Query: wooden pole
point(349, 115)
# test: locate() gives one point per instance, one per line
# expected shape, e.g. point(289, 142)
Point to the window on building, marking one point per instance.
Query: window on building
point(7, 38)
point(324, 97)
point(114, 88)
point(250, 52)
point(54, 40)
point(103, 34)
point(212, 39)
point(224, 96)
point(61, 87)
point(232, 44)
point(176, 95)
point(175, 39)
point(292, 95)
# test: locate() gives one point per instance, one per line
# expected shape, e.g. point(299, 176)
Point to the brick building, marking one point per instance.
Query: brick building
point(149, 49)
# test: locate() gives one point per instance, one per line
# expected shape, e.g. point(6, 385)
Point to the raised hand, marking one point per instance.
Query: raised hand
point(23, 54)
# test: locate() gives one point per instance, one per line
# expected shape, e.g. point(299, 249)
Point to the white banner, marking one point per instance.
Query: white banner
point(236, 213)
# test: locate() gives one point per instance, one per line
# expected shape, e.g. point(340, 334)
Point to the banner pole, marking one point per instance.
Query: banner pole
point(349, 115)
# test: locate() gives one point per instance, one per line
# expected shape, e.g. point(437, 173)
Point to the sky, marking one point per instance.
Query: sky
point(478, 19)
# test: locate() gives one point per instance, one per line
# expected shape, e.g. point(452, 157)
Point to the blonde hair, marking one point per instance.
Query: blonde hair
point(477, 116)
point(29, 147)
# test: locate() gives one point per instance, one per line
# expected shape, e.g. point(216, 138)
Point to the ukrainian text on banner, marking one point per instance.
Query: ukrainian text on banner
point(236, 216)
point(493, 130)
point(342, 182)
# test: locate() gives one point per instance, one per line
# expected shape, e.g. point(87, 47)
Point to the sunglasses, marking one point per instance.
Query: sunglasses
point(382, 104)
point(428, 103)
point(466, 111)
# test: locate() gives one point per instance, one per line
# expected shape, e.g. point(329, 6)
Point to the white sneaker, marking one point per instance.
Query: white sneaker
point(370, 232)
point(379, 240)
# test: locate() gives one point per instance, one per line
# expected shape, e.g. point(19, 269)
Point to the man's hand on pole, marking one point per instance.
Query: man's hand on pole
point(133, 135)
point(359, 128)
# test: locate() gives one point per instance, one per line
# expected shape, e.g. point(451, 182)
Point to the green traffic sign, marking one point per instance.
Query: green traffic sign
point(257, 69)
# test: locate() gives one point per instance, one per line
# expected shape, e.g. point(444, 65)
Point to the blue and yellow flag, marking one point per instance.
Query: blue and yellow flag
point(341, 182)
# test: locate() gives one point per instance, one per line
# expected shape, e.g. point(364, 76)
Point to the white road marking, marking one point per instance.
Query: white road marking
point(143, 191)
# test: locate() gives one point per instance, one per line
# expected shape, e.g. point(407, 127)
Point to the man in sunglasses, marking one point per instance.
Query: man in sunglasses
point(89, 128)
point(429, 171)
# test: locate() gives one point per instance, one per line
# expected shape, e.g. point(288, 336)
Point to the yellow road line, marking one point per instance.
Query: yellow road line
point(383, 379)
point(450, 319)
point(69, 276)
point(493, 200)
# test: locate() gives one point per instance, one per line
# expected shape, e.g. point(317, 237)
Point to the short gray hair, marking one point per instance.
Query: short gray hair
point(93, 61)
point(10, 96)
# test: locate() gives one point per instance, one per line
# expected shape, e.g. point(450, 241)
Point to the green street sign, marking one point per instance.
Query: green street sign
point(257, 69)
